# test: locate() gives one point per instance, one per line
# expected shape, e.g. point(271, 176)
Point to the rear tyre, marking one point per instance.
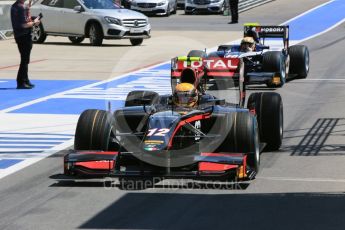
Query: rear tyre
point(243, 138)
point(197, 53)
point(96, 34)
point(299, 60)
point(274, 61)
point(138, 98)
point(95, 131)
point(136, 41)
point(38, 34)
point(268, 107)
point(76, 40)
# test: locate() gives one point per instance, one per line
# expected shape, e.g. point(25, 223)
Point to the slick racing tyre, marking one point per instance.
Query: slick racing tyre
point(140, 97)
point(243, 137)
point(274, 61)
point(76, 40)
point(38, 34)
point(299, 60)
point(197, 53)
point(268, 107)
point(95, 131)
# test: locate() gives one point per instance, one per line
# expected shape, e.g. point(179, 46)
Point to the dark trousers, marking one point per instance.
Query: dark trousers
point(24, 44)
point(234, 10)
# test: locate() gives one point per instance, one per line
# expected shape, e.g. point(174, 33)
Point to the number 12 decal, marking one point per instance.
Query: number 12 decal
point(157, 132)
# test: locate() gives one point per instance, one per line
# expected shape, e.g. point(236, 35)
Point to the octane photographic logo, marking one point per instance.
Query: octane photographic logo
point(149, 140)
point(110, 183)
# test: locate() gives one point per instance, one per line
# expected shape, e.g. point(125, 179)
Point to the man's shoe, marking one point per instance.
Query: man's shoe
point(233, 22)
point(24, 86)
point(30, 84)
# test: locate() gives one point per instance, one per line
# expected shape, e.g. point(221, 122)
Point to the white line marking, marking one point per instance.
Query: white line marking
point(324, 79)
point(72, 90)
point(27, 162)
point(322, 32)
point(308, 11)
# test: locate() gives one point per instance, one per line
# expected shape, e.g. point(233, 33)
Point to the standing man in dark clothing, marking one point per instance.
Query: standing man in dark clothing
point(234, 11)
point(22, 26)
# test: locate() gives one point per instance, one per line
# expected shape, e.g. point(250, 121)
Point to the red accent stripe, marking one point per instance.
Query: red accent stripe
point(11, 66)
point(105, 165)
point(188, 120)
point(209, 166)
point(176, 74)
point(220, 74)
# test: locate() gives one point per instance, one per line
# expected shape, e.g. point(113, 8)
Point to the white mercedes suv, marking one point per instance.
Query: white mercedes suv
point(93, 19)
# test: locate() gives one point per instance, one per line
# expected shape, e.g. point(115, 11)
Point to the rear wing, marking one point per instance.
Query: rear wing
point(210, 66)
point(260, 33)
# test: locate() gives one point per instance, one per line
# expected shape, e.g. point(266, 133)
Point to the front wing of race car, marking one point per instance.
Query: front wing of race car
point(98, 164)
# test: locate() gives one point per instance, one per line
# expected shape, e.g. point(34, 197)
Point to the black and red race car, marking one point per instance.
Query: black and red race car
point(264, 65)
point(220, 138)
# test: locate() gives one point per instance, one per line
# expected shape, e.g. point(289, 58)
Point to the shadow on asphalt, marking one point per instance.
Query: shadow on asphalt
point(230, 211)
point(9, 88)
point(313, 142)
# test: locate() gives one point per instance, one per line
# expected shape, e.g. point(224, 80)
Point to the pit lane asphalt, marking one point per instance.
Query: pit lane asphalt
point(300, 187)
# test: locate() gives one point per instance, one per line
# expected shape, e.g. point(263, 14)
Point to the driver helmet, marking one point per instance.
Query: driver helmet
point(247, 44)
point(185, 95)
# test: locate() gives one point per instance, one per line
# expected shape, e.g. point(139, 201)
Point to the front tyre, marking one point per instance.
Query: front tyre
point(167, 11)
point(95, 131)
point(268, 107)
point(38, 34)
point(299, 60)
point(95, 34)
point(136, 41)
point(243, 137)
point(175, 8)
point(274, 61)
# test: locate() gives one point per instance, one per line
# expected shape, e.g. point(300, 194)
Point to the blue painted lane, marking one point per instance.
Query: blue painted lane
point(6, 163)
point(10, 96)
point(317, 20)
point(98, 96)
point(17, 143)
